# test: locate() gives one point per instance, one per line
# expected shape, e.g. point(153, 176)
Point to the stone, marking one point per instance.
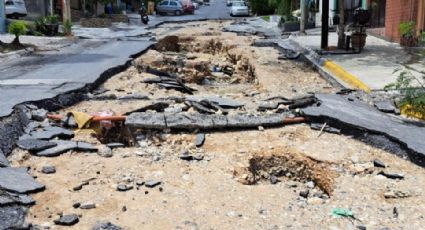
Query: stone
point(310, 184)
point(152, 183)
point(104, 151)
point(67, 220)
point(88, 205)
point(267, 106)
point(304, 193)
point(198, 157)
point(385, 106)
point(12, 217)
point(18, 180)
point(35, 144)
point(8, 198)
point(39, 114)
point(76, 205)
point(391, 175)
point(396, 194)
point(115, 145)
point(62, 147)
point(48, 169)
point(361, 227)
point(273, 179)
point(51, 132)
point(80, 186)
point(200, 139)
point(124, 187)
point(86, 147)
point(378, 163)
point(105, 225)
point(185, 155)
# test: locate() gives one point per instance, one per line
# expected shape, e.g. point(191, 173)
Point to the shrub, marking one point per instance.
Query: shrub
point(67, 28)
point(407, 29)
point(17, 28)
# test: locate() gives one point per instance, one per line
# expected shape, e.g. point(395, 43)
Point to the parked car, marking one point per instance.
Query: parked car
point(239, 9)
point(195, 5)
point(187, 6)
point(15, 8)
point(169, 7)
point(230, 2)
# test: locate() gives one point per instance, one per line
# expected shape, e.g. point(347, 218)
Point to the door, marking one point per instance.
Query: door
point(377, 10)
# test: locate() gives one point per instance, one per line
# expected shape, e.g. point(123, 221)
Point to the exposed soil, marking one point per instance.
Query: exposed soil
point(229, 187)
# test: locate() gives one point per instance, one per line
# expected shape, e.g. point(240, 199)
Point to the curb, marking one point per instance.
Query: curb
point(330, 70)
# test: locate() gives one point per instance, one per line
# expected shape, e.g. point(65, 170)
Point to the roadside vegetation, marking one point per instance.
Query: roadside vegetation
point(16, 28)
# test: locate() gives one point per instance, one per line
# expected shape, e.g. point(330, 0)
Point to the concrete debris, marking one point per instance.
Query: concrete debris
point(35, 145)
point(171, 83)
point(105, 225)
point(186, 121)
point(221, 101)
point(104, 151)
point(39, 114)
point(48, 169)
point(378, 163)
point(8, 198)
point(124, 187)
point(86, 147)
point(12, 217)
point(18, 180)
point(67, 220)
point(363, 117)
point(88, 205)
point(396, 194)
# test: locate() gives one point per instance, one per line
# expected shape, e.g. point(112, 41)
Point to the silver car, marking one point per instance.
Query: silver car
point(15, 8)
point(169, 7)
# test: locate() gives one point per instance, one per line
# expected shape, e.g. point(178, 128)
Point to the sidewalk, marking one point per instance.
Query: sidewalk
point(373, 68)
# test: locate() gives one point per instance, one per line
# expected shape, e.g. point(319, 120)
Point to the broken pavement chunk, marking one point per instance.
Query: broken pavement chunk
point(3, 160)
point(391, 175)
point(223, 102)
point(52, 132)
point(105, 225)
point(12, 217)
point(86, 147)
point(152, 183)
point(318, 126)
point(48, 169)
point(18, 180)
point(62, 147)
point(35, 144)
point(147, 120)
point(378, 163)
point(115, 145)
point(7, 198)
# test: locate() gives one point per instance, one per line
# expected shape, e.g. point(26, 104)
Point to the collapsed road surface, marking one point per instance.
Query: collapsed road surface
point(206, 130)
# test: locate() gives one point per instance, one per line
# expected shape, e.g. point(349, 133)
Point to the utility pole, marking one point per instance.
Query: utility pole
point(2, 18)
point(325, 24)
point(303, 16)
point(341, 35)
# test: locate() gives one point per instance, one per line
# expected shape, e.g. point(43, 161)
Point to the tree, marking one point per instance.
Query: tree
point(17, 28)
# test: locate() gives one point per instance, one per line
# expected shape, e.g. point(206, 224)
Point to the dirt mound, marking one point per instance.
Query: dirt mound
point(168, 43)
point(291, 165)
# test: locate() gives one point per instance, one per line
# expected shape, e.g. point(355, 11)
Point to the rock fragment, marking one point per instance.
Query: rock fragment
point(124, 187)
point(52, 132)
point(378, 163)
point(152, 183)
point(115, 145)
point(39, 114)
point(62, 147)
point(67, 220)
point(105, 225)
point(392, 175)
point(104, 151)
point(3, 160)
point(200, 139)
point(88, 205)
point(48, 169)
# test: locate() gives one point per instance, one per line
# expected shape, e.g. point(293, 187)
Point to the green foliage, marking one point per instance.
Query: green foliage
point(52, 19)
point(67, 27)
point(407, 29)
point(261, 7)
point(47, 25)
point(17, 28)
point(411, 88)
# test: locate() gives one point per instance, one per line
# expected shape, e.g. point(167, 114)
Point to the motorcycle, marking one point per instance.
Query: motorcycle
point(144, 15)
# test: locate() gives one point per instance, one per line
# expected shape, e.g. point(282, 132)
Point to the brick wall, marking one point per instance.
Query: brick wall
point(397, 11)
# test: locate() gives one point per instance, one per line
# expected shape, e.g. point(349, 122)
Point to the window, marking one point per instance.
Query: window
point(163, 3)
point(9, 3)
point(173, 3)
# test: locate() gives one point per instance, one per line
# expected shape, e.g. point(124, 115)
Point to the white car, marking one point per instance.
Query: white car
point(195, 5)
point(15, 8)
point(230, 2)
point(239, 9)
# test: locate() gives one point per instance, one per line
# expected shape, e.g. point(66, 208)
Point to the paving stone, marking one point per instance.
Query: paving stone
point(62, 147)
point(115, 145)
point(39, 114)
point(18, 180)
point(385, 106)
point(152, 183)
point(200, 139)
point(12, 217)
point(35, 144)
point(8, 198)
point(105, 225)
point(48, 169)
point(67, 220)
point(52, 132)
